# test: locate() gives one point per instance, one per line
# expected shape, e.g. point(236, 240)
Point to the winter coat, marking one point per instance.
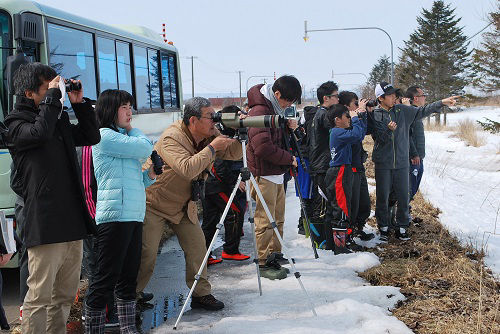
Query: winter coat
point(319, 149)
point(170, 196)
point(118, 162)
point(341, 141)
point(43, 150)
point(391, 148)
point(359, 154)
point(417, 139)
point(223, 177)
point(309, 113)
point(266, 152)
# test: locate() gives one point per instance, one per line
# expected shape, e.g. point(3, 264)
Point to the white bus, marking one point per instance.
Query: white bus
point(103, 57)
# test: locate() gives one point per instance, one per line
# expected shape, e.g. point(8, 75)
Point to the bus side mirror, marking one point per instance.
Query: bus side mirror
point(12, 65)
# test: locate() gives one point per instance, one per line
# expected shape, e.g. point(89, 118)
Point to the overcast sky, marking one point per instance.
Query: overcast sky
point(262, 37)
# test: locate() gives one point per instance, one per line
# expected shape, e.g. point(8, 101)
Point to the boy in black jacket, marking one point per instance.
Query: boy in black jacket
point(338, 178)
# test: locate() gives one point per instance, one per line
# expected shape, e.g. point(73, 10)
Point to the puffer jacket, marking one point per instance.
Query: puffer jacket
point(118, 162)
point(266, 151)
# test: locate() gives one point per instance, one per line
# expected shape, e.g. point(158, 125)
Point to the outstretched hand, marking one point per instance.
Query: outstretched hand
point(450, 101)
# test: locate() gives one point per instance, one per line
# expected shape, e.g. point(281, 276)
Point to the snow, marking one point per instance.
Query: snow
point(344, 302)
point(464, 182)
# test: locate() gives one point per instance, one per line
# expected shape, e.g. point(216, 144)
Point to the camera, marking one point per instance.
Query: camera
point(72, 86)
point(230, 120)
point(197, 190)
point(372, 103)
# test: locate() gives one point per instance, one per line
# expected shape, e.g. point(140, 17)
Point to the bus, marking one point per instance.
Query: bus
point(102, 56)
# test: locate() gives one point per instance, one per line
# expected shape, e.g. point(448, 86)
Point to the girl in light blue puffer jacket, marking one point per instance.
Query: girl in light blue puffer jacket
point(121, 206)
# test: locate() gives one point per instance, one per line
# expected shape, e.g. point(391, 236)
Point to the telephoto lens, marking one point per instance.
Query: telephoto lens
point(157, 163)
point(70, 85)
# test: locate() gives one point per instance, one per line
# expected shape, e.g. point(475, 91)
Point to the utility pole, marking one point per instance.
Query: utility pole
point(192, 72)
point(241, 99)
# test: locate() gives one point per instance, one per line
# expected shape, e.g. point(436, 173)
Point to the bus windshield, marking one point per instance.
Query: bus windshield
point(4, 53)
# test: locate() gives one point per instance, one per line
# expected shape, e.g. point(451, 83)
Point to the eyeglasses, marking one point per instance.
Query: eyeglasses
point(210, 118)
point(423, 95)
point(334, 95)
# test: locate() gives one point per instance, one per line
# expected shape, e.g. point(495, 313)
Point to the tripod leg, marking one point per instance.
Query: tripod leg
point(285, 250)
point(207, 254)
point(252, 224)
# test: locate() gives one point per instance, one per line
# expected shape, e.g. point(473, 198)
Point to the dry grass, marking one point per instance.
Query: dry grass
point(447, 287)
point(446, 284)
point(482, 101)
point(432, 126)
point(467, 131)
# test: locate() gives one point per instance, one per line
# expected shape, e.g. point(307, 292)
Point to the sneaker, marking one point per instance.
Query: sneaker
point(143, 297)
point(213, 260)
point(350, 244)
point(401, 234)
point(272, 272)
point(235, 257)
point(384, 233)
point(365, 236)
point(207, 302)
point(112, 318)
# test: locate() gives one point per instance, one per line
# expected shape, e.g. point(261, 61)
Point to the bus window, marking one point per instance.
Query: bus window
point(123, 64)
point(5, 52)
point(141, 78)
point(167, 96)
point(154, 79)
point(72, 56)
point(107, 64)
point(172, 66)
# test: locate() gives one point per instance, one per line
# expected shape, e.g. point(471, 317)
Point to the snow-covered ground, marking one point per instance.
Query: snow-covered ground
point(344, 302)
point(464, 182)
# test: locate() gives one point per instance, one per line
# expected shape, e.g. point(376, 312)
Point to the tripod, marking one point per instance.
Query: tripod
point(247, 177)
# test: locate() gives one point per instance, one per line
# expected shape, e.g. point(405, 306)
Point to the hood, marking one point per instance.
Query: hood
point(255, 97)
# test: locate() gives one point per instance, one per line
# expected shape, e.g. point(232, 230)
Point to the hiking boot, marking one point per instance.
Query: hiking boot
point(350, 244)
point(235, 257)
point(144, 297)
point(365, 236)
point(384, 233)
point(272, 272)
point(401, 234)
point(207, 302)
point(280, 258)
point(213, 260)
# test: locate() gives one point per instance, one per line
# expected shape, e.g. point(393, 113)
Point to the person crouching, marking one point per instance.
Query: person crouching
point(120, 210)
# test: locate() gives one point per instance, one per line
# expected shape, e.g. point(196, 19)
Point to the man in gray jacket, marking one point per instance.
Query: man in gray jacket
point(417, 141)
point(390, 126)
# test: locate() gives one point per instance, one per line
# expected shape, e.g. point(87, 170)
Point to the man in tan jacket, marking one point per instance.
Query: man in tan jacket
point(188, 147)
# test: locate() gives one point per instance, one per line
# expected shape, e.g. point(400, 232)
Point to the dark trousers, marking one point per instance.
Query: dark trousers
point(23, 253)
point(213, 207)
point(397, 181)
point(360, 200)
point(416, 172)
point(89, 268)
point(3, 318)
point(118, 246)
point(338, 190)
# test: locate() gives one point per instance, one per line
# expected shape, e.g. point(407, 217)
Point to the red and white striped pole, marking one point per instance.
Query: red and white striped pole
point(164, 33)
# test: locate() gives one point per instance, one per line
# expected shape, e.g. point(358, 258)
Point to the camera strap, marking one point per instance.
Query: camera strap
point(62, 88)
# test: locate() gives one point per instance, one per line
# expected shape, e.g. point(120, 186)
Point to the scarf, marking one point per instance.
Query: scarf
point(267, 91)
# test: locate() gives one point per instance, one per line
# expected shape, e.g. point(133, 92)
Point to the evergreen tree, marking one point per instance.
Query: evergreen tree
point(486, 59)
point(435, 56)
point(381, 71)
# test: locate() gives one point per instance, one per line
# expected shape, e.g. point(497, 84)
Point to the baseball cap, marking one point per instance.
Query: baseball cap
point(384, 88)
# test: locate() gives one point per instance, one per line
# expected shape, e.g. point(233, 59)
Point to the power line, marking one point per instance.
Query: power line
point(477, 33)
